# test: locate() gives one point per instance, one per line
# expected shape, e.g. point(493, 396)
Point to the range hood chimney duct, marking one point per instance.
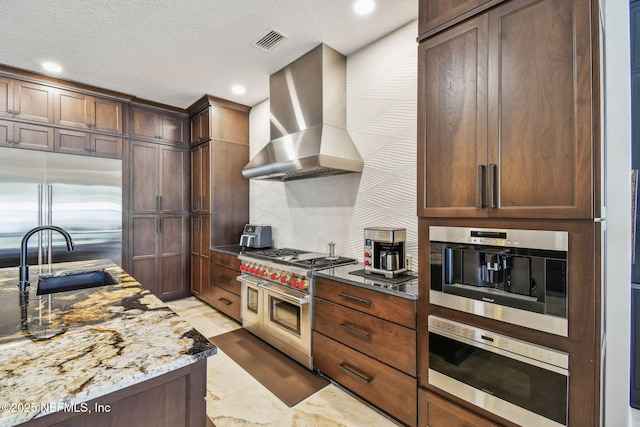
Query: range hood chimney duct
point(308, 121)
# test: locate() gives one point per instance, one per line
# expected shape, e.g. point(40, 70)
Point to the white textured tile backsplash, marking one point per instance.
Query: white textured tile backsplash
point(382, 121)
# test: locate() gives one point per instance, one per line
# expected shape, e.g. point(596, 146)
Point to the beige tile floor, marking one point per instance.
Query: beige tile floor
point(235, 398)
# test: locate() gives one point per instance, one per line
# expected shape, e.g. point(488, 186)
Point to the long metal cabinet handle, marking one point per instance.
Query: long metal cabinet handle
point(158, 225)
point(481, 186)
point(492, 185)
point(198, 202)
point(351, 297)
point(355, 332)
point(198, 225)
point(634, 213)
point(357, 375)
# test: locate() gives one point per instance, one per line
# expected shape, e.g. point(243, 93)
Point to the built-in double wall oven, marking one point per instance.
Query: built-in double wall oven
point(514, 276)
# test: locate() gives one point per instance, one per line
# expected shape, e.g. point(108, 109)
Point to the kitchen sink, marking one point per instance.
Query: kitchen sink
point(74, 280)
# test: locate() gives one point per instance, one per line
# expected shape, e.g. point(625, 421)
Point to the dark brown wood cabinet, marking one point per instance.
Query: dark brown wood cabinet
point(157, 225)
point(434, 411)
point(224, 288)
point(158, 180)
point(26, 100)
point(219, 193)
point(176, 399)
point(79, 110)
point(505, 115)
point(366, 341)
point(87, 144)
point(26, 135)
point(147, 123)
point(158, 253)
point(434, 13)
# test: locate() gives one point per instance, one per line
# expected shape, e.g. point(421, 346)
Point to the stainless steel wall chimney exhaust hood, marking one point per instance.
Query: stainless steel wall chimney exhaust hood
point(308, 121)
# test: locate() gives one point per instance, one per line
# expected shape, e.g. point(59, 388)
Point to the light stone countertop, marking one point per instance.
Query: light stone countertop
point(76, 346)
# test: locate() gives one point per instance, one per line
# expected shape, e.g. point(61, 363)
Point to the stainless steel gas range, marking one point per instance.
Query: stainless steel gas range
point(277, 297)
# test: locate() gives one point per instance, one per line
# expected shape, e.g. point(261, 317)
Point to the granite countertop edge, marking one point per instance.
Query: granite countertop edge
point(102, 348)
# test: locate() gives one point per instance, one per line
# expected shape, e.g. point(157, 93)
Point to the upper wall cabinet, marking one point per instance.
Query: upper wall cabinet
point(78, 110)
point(506, 126)
point(200, 127)
point(26, 101)
point(437, 12)
point(218, 119)
point(158, 126)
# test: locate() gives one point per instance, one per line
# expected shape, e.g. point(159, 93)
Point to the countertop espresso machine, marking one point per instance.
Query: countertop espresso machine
point(256, 236)
point(384, 251)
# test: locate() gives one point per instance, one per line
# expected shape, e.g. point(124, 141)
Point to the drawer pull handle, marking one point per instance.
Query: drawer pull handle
point(225, 261)
point(356, 299)
point(352, 372)
point(225, 279)
point(224, 301)
point(355, 332)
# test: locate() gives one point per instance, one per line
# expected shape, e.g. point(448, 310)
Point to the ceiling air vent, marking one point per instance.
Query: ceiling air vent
point(270, 40)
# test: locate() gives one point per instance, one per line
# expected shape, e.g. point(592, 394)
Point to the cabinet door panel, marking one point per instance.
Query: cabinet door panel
point(144, 173)
point(436, 12)
point(174, 188)
point(73, 109)
point(172, 128)
point(33, 137)
point(107, 146)
point(6, 133)
point(173, 231)
point(72, 142)
point(6, 97)
point(144, 123)
point(453, 121)
point(107, 116)
point(540, 109)
point(437, 412)
point(33, 102)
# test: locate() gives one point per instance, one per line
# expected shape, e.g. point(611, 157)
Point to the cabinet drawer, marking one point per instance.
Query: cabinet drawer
point(384, 340)
point(225, 301)
point(225, 260)
point(385, 387)
point(389, 307)
point(438, 412)
point(224, 278)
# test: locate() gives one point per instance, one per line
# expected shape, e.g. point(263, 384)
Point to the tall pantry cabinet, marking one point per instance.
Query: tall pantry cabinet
point(509, 137)
point(219, 205)
point(157, 199)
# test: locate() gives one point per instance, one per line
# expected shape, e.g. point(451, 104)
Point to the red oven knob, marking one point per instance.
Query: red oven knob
point(283, 279)
point(274, 276)
point(293, 283)
point(262, 272)
point(367, 262)
point(367, 254)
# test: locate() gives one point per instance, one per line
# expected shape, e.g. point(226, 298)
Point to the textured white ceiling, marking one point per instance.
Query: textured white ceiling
point(175, 51)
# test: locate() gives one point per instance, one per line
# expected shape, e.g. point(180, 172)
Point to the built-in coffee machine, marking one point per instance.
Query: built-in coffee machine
point(384, 251)
point(516, 276)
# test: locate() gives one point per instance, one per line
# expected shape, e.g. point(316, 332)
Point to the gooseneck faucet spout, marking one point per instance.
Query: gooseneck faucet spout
point(24, 268)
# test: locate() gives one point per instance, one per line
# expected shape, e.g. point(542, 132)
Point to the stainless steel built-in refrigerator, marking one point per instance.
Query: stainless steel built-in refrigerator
point(81, 194)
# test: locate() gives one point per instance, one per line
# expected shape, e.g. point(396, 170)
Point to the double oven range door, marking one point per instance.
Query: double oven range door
point(279, 315)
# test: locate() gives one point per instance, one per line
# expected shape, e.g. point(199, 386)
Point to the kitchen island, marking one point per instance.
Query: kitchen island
point(108, 355)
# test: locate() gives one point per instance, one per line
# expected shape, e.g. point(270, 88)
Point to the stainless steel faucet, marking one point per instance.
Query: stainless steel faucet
point(24, 268)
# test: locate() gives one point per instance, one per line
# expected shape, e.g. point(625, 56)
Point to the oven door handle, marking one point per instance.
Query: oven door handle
point(303, 300)
point(244, 279)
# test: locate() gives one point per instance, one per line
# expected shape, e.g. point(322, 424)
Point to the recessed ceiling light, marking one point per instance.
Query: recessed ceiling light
point(52, 67)
point(238, 89)
point(364, 7)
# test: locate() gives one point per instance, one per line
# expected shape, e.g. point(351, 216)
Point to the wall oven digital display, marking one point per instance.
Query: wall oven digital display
point(522, 382)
